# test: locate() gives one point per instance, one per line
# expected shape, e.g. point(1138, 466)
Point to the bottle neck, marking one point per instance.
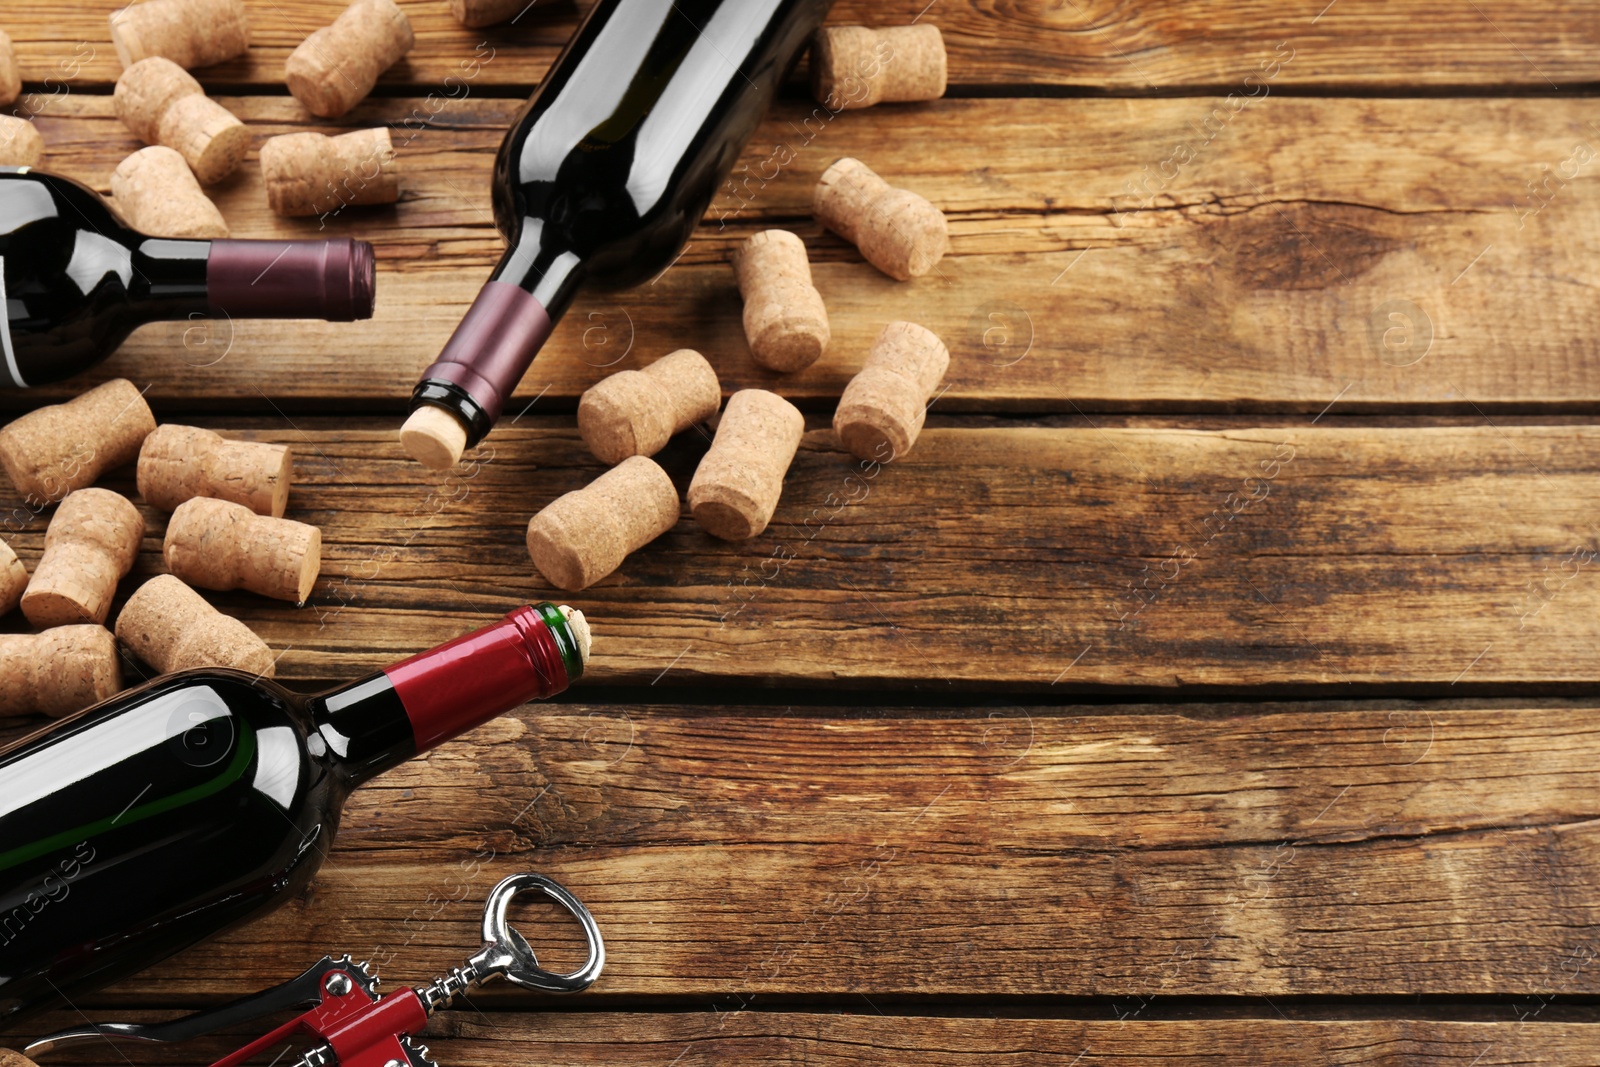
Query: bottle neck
point(384, 719)
point(331, 280)
point(170, 278)
point(503, 330)
point(538, 261)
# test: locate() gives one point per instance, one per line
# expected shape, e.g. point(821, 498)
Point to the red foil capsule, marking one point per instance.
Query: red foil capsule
point(529, 655)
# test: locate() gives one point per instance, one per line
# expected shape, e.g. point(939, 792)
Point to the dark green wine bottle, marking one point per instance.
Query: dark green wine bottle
point(603, 178)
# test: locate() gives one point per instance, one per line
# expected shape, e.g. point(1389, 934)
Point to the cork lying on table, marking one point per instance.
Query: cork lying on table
point(314, 174)
point(897, 231)
point(785, 321)
point(191, 33)
point(163, 104)
point(13, 579)
point(57, 673)
point(216, 544)
point(335, 68)
point(736, 487)
point(581, 537)
point(10, 73)
point(157, 194)
point(173, 628)
point(854, 66)
point(635, 412)
point(89, 545)
point(882, 409)
point(476, 14)
point(55, 450)
point(20, 143)
point(178, 463)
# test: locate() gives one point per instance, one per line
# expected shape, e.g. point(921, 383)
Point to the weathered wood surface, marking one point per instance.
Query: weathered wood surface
point(1028, 559)
point(1025, 46)
point(1388, 253)
point(1380, 848)
point(466, 1039)
point(1118, 247)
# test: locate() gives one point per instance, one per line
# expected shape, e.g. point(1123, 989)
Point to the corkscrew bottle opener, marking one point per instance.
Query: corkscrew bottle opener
point(351, 1025)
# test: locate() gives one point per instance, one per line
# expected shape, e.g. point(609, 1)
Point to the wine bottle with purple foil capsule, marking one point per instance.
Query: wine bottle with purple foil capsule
point(603, 179)
point(75, 280)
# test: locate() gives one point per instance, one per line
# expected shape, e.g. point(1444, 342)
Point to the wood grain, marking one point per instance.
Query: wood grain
point(1024, 559)
point(1020, 46)
point(1149, 215)
point(468, 1039)
point(1387, 254)
point(1374, 849)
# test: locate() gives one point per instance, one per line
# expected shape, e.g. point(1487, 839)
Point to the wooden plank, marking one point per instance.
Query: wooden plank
point(1030, 559)
point(1381, 252)
point(467, 1039)
point(1382, 848)
point(1091, 45)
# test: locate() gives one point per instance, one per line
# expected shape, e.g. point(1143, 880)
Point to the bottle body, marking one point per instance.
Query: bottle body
point(609, 169)
point(205, 798)
point(198, 802)
point(75, 281)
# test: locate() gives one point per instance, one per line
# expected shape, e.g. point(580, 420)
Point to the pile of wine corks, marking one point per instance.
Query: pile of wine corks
point(195, 142)
point(226, 530)
point(585, 535)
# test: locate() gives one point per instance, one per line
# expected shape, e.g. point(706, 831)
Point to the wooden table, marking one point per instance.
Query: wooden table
point(1213, 682)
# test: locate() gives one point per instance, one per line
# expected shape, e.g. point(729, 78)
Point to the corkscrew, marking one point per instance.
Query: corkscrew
point(350, 1023)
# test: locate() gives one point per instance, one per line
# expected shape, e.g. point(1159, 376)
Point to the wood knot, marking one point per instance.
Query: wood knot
point(1300, 245)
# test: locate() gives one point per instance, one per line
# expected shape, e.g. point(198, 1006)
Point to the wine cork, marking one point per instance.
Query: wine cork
point(178, 463)
point(56, 673)
point(13, 579)
point(191, 33)
point(163, 104)
point(313, 174)
point(217, 544)
point(9, 1058)
point(157, 194)
point(784, 319)
point(476, 14)
point(854, 66)
point(881, 411)
point(172, 628)
point(635, 412)
point(736, 487)
point(10, 73)
point(898, 231)
point(90, 544)
point(50, 452)
point(583, 536)
point(335, 68)
point(434, 437)
point(20, 143)
point(580, 630)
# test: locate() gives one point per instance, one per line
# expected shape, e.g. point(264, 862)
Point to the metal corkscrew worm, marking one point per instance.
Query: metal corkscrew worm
point(351, 1024)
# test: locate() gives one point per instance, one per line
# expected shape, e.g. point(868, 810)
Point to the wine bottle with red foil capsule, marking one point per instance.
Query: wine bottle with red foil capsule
point(207, 797)
point(602, 180)
point(75, 281)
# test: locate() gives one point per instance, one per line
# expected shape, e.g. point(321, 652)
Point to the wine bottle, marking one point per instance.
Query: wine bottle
point(76, 281)
point(602, 180)
point(207, 797)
